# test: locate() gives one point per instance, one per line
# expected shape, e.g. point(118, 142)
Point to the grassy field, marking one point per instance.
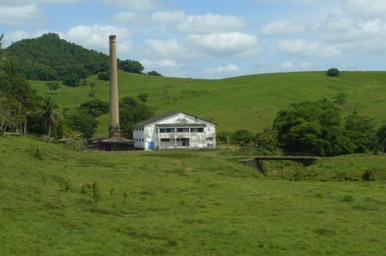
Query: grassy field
point(248, 102)
point(56, 201)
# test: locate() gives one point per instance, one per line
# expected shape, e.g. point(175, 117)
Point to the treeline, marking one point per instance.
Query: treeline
point(315, 128)
point(50, 58)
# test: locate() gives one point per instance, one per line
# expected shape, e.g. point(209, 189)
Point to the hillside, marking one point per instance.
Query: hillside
point(50, 58)
point(55, 201)
point(249, 102)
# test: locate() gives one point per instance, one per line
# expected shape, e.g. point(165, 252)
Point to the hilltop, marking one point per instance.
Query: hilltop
point(50, 58)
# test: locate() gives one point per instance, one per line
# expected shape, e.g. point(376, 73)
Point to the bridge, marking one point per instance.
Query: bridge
point(256, 162)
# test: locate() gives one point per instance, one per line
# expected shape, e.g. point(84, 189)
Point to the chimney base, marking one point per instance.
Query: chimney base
point(114, 132)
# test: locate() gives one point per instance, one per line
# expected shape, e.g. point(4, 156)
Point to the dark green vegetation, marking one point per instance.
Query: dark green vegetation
point(316, 128)
point(56, 201)
point(51, 58)
point(333, 72)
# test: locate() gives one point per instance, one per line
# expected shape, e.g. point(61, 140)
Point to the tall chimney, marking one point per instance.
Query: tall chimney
point(114, 129)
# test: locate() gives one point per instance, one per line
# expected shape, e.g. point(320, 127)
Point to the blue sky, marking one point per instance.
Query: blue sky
point(213, 38)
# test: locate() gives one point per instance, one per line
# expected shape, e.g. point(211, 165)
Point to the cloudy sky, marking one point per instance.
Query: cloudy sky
point(213, 38)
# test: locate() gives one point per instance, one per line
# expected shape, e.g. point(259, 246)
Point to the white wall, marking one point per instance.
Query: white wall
point(196, 139)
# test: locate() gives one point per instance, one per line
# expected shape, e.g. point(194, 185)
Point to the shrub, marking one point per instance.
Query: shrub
point(333, 72)
point(104, 76)
point(368, 175)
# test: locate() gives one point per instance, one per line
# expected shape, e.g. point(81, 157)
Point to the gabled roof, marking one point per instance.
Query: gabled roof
point(160, 117)
point(155, 118)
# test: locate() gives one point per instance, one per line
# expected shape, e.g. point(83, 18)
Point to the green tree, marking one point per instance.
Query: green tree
point(131, 66)
point(360, 130)
point(20, 98)
point(243, 136)
point(333, 72)
point(51, 114)
point(92, 85)
point(131, 112)
point(267, 139)
point(95, 107)
point(154, 73)
point(310, 128)
point(82, 122)
point(381, 137)
point(53, 86)
point(71, 80)
point(105, 76)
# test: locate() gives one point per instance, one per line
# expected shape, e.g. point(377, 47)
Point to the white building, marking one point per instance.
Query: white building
point(174, 130)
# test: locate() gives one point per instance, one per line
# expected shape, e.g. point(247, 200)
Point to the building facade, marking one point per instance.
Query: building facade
point(174, 130)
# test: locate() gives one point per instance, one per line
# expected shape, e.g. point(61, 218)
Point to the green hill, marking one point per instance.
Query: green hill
point(51, 58)
point(248, 102)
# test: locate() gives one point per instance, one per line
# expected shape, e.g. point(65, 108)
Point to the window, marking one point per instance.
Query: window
point(182, 129)
point(166, 130)
point(165, 140)
point(197, 129)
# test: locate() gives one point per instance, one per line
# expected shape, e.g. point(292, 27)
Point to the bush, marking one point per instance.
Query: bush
point(333, 72)
point(104, 76)
point(368, 175)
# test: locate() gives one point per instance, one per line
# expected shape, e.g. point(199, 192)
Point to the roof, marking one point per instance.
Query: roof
point(160, 117)
point(180, 125)
point(155, 118)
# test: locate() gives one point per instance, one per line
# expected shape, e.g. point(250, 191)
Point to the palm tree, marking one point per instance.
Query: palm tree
point(51, 113)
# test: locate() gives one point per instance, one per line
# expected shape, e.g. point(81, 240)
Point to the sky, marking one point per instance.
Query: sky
point(213, 39)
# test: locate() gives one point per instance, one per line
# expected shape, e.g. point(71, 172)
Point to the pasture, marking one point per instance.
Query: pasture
point(57, 201)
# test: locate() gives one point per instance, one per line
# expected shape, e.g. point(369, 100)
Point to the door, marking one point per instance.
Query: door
point(150, 145)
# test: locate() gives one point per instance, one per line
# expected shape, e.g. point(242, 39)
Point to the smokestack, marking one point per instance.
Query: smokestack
point(114, 129)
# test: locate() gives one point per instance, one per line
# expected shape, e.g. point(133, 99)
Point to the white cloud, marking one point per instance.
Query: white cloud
point(24, 2)
point(154, 64)
point(282, 27)
point(225, 44)
point(287, 65)
point(168, 17)
point(211, 23)
point(306, 65)
point(366, 9)
point(223, 71)
point(97, 37)
point(131, 18)
point(20, 15)
point(165, 48)
point(308, 49)
point(155, 18)
point(133, 5)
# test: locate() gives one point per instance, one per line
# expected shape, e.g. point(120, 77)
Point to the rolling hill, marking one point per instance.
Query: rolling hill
point(248, 102)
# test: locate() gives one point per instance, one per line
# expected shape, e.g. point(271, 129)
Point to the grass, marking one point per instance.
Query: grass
point(230, 102)
point(56, 201)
